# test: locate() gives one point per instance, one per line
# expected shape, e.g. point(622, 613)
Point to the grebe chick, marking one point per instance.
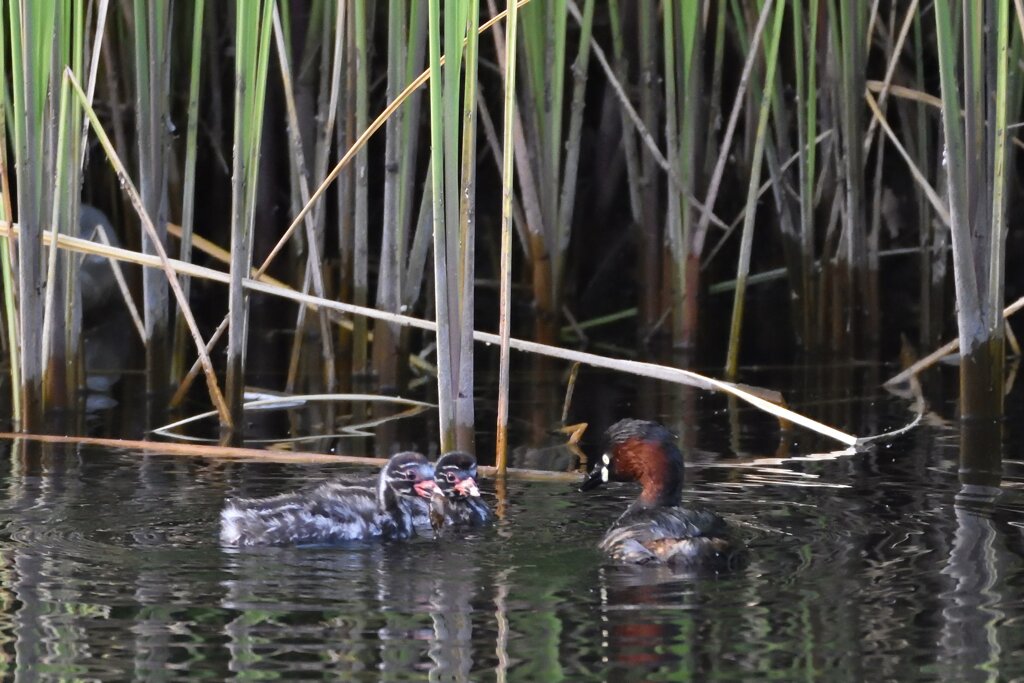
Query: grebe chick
point(333, 512)
point(456, 498)
point(655, 528)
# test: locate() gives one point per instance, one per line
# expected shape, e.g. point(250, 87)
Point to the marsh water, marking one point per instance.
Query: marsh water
point(886, 564)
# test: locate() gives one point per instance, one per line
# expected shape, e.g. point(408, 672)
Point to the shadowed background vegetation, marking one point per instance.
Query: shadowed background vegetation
point(709, 182)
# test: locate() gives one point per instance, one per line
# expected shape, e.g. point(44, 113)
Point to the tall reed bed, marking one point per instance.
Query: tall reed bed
point(40, 39)
point(663, 152)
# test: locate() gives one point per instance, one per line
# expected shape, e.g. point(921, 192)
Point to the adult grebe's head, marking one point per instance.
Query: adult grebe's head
point(455, 475)
point(645, 452)
point(407, 474)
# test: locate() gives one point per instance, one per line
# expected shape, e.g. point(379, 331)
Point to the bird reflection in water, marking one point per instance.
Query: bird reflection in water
point(637, 638)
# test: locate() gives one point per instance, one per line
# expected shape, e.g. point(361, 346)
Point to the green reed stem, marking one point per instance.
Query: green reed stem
point(70, 199)
point(445, 385)
point(743, 264)
point(252, 50)
point(466, 246)
point(567, 199)
point(806, 67)
point(725, 147)
point(7, 247)
point(313, 276)
point(31, 34)
point(396, 178)
point(453, 177)
point(507, 181)
point(152, 79)
point(360, 249)
point(976, 173)
point(189, 184)
point(628, 143)
point(54, 342)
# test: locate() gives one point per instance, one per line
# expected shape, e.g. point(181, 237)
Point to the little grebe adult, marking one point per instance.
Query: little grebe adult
point(655, 529)
point(456, 499)
point(333, 512)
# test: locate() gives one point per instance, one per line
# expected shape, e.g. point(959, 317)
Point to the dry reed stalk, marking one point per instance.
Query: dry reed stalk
point(651, 370)
point(505, 294)
point(260, 455)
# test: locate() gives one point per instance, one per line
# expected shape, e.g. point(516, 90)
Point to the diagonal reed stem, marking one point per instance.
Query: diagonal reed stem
point(652, 370)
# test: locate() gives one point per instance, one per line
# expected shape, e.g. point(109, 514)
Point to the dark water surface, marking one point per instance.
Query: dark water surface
point(869, 566)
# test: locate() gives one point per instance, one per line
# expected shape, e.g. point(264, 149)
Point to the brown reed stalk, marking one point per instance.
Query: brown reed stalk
point(507, 179)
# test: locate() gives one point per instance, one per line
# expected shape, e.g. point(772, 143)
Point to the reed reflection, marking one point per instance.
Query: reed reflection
point(971, 643)
point(390, 607)
point(295, 608)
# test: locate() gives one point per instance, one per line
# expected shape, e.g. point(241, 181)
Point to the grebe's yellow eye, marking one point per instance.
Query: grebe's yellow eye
point(606, 459)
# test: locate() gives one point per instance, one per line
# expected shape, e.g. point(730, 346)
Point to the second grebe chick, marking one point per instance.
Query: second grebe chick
point(456, 498)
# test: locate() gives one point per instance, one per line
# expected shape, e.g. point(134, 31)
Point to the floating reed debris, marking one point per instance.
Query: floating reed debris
point(260, 455)
point(292, 401)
